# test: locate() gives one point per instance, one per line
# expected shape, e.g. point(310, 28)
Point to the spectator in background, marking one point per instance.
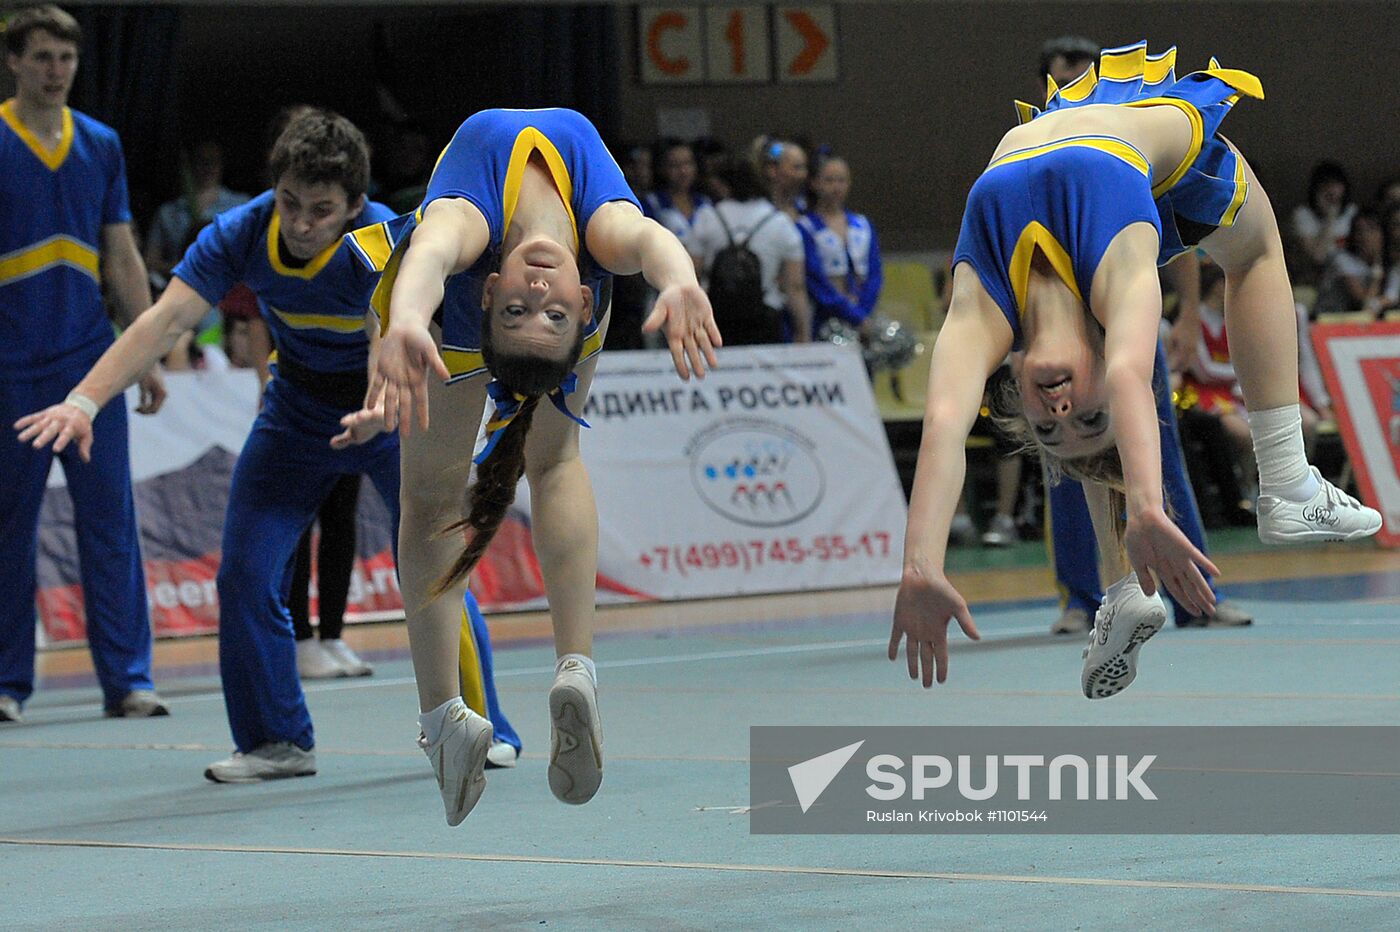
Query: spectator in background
point(762, 302)
point(1066, 58)
point(1355, 275)
point(674, 203)
point(1387, 196)
point(842, 253)
point(327, 656)
point(1321, 225)
point(202, 198)
point(782, 166)
point(638, 167)
point(1390, 288)
point(710, 155)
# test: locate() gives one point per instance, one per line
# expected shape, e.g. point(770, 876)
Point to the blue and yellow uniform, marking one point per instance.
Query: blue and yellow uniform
point(54, 204)
point(316, 312)
point(1068, 199)
point(484, 164)
point(854, 262)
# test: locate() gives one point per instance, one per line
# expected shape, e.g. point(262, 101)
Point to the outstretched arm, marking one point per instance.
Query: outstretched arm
point(1129, 297)
point(625, 242)
point(140, 347)
point(971, 344)
point(451, 237)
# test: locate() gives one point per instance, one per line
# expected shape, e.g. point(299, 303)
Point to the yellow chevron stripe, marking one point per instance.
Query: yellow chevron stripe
point(321, 322)
point(274, 257)
point(53, 158)
point(374, 241)
point(530, 140)
point(1032, 237)
point(1124, 65)
point(1114, 147)
point(56, 250)
point(1081, 87)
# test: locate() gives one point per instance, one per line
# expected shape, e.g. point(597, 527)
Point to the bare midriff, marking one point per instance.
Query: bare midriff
point(1161, 133)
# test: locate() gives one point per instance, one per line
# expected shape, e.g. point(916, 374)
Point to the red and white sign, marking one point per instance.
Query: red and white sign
point(672, 45)
point(1361, 363)
point(806, 43)
point(737, 43)
point(773, 474)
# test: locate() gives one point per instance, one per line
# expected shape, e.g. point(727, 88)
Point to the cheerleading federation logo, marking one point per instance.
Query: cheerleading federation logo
point(756, 471)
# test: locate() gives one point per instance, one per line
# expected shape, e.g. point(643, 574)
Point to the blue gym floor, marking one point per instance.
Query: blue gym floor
point(110, 824)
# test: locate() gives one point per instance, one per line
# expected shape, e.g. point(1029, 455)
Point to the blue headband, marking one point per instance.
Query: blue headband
point(508, 406)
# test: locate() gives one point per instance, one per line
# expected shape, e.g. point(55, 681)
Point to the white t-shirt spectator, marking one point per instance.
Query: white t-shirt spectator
point(1307, 224)
point(776, 241)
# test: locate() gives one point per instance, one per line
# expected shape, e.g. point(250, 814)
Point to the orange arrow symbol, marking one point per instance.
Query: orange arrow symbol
point(816, 39)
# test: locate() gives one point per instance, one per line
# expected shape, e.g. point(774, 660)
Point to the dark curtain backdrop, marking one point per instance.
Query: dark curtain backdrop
point(125, 80)
point(434, 66)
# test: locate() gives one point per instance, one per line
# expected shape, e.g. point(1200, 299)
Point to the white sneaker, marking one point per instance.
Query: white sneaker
point(502, 754)
point(272, 761)
point(9, 710)
point(1330, 515)
point(1002, 533)
point(458, 758)
point(314, 662)
point(346, 659)
point(1127, 618)
point(139, 703)
point(576, 735)
point(1073, 620)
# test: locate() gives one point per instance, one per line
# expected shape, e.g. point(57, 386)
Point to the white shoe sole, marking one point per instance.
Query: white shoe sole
point(575, 757)
point(1112, 675)
point(212, 775)
point(1315, 535)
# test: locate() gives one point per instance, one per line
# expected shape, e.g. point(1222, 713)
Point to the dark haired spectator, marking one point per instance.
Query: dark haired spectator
point(844, 271)
point(1355, 276)
point(1066, 58)
point(1321, 225)
point(746, 218)
point(202, 198)
point(675, 201)
point(1387, 195)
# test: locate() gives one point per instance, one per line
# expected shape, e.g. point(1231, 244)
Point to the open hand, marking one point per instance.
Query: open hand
point(684, 315)
point(1154, 542)
point(400, 377)
point(925, 604)
point(59, 424)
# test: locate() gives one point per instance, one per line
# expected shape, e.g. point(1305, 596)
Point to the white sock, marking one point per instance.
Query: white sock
point(1278, 449)
point(583, 659)
point(432, 722)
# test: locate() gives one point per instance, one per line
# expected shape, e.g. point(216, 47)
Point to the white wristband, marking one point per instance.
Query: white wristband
point(83, 403)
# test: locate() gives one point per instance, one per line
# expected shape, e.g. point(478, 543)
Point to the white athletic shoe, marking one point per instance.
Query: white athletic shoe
point(346, 659)
point(576, 735)
point(1073, 620)
point(1127, 618)
point(1330, 515)
point(272, 761)
point(458, 758)
point(502, 754)
point(314, 662)
point(9, 710)
point(139, 703)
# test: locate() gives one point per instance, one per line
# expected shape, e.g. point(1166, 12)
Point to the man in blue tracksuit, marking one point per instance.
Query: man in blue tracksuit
point(65, 232)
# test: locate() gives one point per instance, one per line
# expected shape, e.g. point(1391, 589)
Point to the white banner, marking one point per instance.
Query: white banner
point(773, 474)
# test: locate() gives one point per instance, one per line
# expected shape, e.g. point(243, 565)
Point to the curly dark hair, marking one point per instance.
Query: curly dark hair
point(319, 146)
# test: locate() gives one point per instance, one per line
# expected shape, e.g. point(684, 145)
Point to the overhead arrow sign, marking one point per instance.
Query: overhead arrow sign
point(806, 43)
